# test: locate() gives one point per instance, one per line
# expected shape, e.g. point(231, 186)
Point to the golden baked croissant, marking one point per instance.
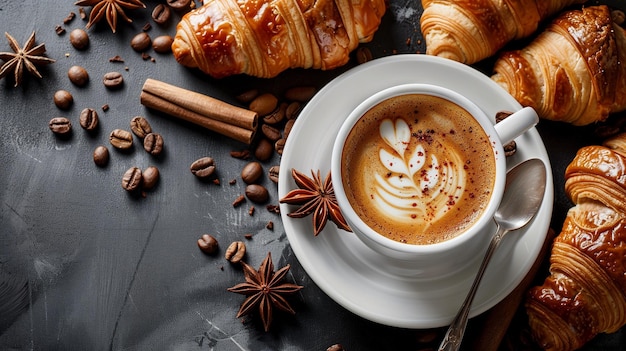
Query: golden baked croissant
point(573, 71)
point(262, 38)
point(471, 30)
point(585, 293)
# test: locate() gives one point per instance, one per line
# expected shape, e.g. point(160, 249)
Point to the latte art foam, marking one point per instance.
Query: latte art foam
point(419, 169)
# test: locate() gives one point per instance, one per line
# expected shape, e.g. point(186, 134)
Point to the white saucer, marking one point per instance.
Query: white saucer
point(357, 277)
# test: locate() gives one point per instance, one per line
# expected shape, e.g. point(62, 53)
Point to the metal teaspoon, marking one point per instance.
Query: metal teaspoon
point(524, 190)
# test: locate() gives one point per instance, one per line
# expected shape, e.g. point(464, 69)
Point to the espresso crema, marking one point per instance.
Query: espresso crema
point(418, 169)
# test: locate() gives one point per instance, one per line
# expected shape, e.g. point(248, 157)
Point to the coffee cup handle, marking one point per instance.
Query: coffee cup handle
point(516, 124)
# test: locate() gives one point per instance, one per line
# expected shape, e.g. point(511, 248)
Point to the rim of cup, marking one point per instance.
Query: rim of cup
point(427, 89)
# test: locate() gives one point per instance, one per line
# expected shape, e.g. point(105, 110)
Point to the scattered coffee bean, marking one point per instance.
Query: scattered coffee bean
point(163, 44)
point(60, 125)
point(101, 156)
point(251, 211)
point(301, 94)
point(78, 75)
point(141, 42)
point(287, 128)
point(293, 109)
point(264, 104)
point(277, 115)
point(270, 225)
point(105, 107)
point(121, 139)
point(161, 14)
point(79, 39)
point(113, 80)
point(179, 4)
point(140, 127)
point(132, 179)
point(257, 193)
point(264, 150)
point(274, 173)
point(203, 167)
point(248, 236)
point(270, 132)
point(82, 13)
point(150, 177)
point(235, 251)
point(146, 27)
point(70, 17)
point(280, 145)
point(363, 55)
point(88, 119)
point(232, 181)
point(241, 154)
point(117, 59)
point(251, 172)
point(153, 144)
point(247, 96)
point(208, 244)
point(239, 200)
point(63, 99)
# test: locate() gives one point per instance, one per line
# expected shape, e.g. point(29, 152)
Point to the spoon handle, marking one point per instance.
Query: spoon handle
point(454, 335)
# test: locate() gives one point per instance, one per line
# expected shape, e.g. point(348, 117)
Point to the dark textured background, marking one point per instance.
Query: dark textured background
point(85, 266)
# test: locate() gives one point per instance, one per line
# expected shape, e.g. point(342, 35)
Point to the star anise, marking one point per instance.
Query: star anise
point(109, 9)
point(315, 197)
point(264, 289)
point(28, 57)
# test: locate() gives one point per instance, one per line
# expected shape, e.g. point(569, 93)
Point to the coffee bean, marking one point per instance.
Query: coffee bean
point(161, 14)
point(257, 193)
point(287, 128)
point(208, 244)
point(79, 39)
point(363, 55)
point(301, 94)
point(132, 179)
point(60, 125)
point(280, 145)
point(113, 80)
point(277, 115)
point(179, 4)
point(121, 139)
point(153, 144)
point(140, 42)
point(270, 132)
point(251, 172)
point(264, 150)
point(101, 156)
point(203, 167)
point(63, 99)
point(274, 173)
point(293, 110)
point(150, 177)
point(140, 127)
point(78, 75)
point(89, 119)
point(247, 96)
point(163, 44)
point(235, 251)
point(264, 104)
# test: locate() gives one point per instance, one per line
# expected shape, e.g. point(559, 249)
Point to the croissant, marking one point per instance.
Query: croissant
point(471, 30)
point(263, 38)
point(573, 71)
point(585, 293)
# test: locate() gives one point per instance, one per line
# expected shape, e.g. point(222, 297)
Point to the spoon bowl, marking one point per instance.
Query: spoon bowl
point(524, 191)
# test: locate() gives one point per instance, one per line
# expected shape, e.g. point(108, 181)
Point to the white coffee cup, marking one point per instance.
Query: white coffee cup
point(448, 256)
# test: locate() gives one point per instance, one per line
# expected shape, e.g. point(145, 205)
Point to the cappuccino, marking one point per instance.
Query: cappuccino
point(418, 169)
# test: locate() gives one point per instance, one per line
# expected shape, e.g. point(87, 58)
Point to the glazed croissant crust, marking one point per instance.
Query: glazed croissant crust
point(471, 30)
point(585, 293)
point(573, 71)
point(263, 38)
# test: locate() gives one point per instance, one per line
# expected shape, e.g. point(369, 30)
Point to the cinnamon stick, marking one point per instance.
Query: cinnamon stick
point(232, 131)
point(202, 104)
